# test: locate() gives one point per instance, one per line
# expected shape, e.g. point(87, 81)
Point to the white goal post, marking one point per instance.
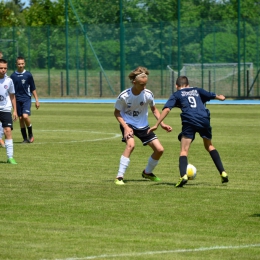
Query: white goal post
point(216, 77)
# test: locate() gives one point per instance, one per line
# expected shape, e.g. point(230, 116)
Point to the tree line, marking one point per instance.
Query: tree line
point(208, 32)
point(47, 12)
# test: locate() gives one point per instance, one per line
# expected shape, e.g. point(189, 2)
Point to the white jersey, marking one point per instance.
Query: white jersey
point(134, 109)
point(6, 87)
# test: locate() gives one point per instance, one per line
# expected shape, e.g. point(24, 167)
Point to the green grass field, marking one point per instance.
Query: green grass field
point(60, 201)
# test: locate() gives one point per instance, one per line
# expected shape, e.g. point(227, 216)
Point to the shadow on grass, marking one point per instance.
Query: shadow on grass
point(255, 215)
point(3, 162)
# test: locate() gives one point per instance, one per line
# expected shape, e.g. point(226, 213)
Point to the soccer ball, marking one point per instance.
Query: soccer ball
point(191, 172)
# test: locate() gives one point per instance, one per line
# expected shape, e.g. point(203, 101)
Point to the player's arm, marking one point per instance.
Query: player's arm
point(164, 113)
point(128, 132)
point(37, 104)
point(13, 100)
point(157, 114)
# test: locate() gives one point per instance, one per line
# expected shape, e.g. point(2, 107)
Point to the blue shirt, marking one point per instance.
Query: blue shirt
point(192, 101)
point(23, 84)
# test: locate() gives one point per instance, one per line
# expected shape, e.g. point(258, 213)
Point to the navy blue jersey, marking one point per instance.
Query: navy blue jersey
point(192, 101)
point(23, 84)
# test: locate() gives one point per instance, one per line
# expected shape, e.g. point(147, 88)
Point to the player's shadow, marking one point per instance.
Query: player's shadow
point(149, 182)
point(256, 215)
point(3, 162)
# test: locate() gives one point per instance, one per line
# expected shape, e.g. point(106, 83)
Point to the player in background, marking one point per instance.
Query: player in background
point(2, 143)
point(24, 89)
point(7, 101)
point(195, 119)
point(131, 111)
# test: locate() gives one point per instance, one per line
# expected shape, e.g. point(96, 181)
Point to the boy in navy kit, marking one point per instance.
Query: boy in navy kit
point(195, 119)
point(24, 89)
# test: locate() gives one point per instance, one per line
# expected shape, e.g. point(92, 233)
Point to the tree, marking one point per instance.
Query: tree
point(10, 15)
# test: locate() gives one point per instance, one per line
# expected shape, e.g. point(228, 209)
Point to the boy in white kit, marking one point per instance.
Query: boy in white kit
point(131, 111)
point(7, 102)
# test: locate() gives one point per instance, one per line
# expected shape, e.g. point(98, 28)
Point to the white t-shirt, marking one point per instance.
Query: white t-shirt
point(6, 87)
point(134, 109)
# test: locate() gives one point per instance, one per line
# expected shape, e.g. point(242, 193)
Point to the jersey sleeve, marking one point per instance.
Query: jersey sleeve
point(170, 103)
point(11, 89)
point(31, 83)
point(119, 104)
point(205, 95)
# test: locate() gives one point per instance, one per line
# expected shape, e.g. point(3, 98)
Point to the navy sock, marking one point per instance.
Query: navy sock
point(29, 128)
point(183, 162)
point(216, 159)
point(24, 134)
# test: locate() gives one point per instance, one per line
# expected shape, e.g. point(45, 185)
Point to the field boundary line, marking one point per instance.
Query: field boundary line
point(114, 135)
point(157, 101)
point(200, 249)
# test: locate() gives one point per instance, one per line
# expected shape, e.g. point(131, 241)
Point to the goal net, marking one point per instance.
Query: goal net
point(216, 77)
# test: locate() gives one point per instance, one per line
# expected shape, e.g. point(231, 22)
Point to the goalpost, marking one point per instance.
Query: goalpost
point(215, 77)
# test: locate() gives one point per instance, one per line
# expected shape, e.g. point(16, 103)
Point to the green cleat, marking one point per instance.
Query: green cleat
point(119, 181)
point(150, 176)
point(182, 181)
point(224, 177)
point(11, 161)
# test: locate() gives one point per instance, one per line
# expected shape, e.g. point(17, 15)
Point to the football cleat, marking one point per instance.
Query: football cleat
point(224, 177)
point(11, 161)
point(182, 181)
point(31, 139)
point(25, 141)
point(150, 176)
point(119, 181)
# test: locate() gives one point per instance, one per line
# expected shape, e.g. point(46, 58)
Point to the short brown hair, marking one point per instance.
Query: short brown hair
point(132, 75)
point(182, 81)
point(3, 61)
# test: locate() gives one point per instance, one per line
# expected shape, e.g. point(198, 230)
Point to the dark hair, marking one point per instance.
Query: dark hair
point(132, 75)
point(3, 61)
point(20, 58)
point(182, 81)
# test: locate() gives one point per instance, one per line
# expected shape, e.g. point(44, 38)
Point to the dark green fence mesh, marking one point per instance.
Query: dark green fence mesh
point(89, 64)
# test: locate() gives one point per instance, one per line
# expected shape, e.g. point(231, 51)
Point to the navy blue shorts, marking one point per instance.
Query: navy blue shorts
point(23, 107)
point(141, 134)
point(189, 131)
point(6, 119)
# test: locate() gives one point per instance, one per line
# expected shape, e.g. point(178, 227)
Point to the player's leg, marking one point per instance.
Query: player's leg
point(184, 151)
point(2, 143)
point(26, 110)
point(153, 160)
point(7, 121)
point(19, 108)
point(125, 158)
point(216, 159)
point(23, 130)
point(151, 140)
point(185, 137)
point(27, 122)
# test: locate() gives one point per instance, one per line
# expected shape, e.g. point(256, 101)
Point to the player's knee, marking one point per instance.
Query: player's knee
point(209, 147)
point(25, 116)
point(159, 151)
point(130, 147)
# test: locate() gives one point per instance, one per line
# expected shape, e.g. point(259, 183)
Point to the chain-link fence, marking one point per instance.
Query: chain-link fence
point(88, 63)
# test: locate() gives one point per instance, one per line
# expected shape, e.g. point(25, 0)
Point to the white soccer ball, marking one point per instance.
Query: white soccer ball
point(191, 172)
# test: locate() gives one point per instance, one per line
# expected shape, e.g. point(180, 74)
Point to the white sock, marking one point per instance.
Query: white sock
point(124, 162)
point(151, 165)
point(9, 148)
